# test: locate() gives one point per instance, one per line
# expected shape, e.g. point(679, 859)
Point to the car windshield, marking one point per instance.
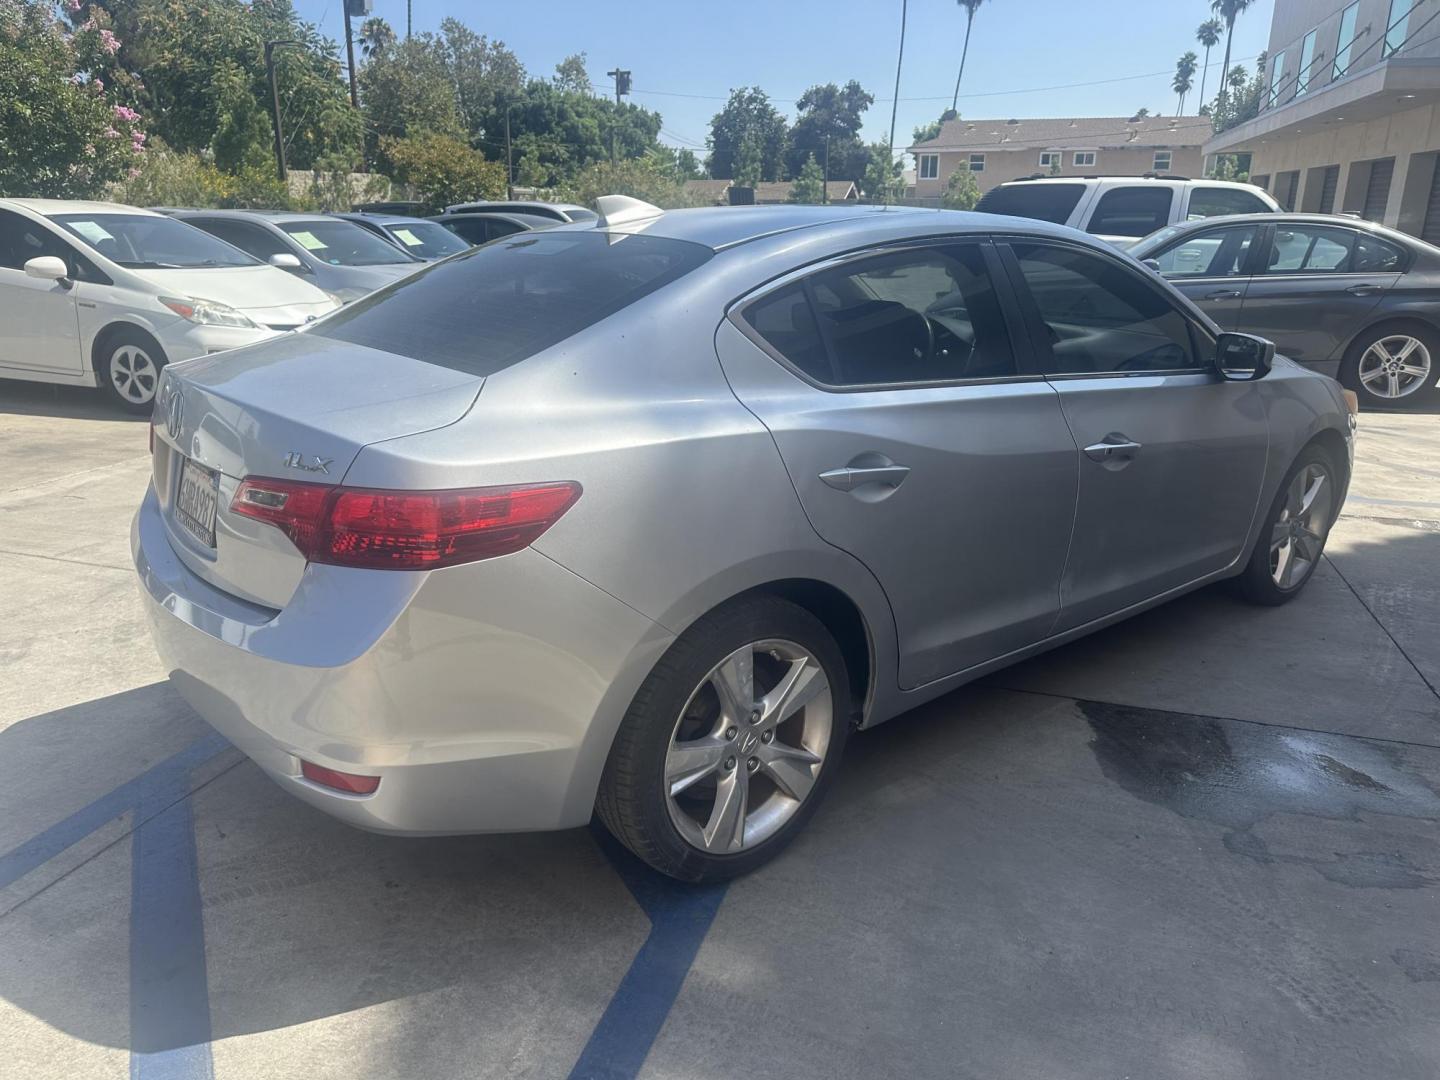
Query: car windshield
point(151, 242)
point(495, 305)
point(342, 243)
point(427, 239)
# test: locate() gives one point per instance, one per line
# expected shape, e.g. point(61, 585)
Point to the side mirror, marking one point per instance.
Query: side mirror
point(1242, 357)
point(283, 260)
point(1151, 264)
point(49, 268)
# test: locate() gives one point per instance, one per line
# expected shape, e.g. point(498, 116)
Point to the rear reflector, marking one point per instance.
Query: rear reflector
point(340, 781)
point(404, 530)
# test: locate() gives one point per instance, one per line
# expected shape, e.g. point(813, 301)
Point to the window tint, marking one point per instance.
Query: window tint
point(22, 240)
point(470, 230)
point(929, 315)
point(1131, 211)
point(1212, 253)
point(1102, 317)
point(1216, 202)
point(251, 239)
point(1045, 202)
point(493, 306)
point(1375, 256)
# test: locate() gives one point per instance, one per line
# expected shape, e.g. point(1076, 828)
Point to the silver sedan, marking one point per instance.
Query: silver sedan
point(646, 515)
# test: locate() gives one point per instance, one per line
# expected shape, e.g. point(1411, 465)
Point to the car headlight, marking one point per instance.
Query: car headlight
point(208, 312)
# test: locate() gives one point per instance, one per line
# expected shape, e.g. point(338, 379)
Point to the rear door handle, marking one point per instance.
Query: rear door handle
point(1363, 290)
point(849, 478)
point(1112, 449)
point(1222, 294)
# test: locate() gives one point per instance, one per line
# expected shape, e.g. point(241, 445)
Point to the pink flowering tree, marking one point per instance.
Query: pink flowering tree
point(64, 133)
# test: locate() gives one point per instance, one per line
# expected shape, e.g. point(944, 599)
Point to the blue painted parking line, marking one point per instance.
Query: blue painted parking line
point(680, 917)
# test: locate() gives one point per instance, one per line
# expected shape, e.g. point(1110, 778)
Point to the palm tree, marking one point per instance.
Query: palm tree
point(375, 37)
point(1184, 79)
point(1207, 34)
point(1229, 10)
point(970, 6)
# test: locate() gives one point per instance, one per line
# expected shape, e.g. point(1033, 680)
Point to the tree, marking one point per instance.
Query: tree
point(442, 169)
point(1184, 80)
point(556, 134)
point(63, 133)
point(833, 115)
point(970, 6)
point(571, 75)
point(748, 112)
point(687, 165)
point(884, 180)
point(961, 190)
point(809, 186)
point(645, 178)
point(1229, 11)
point(406, 90)
point(1207, 34)
point(488, 78)
point(1241, 96)
point(1140, 114)
point(749, 161)
point(926, 132)
point(375, 35)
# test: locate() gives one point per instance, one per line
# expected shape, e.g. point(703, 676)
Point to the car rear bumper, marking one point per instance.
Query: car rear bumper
point(484, 696)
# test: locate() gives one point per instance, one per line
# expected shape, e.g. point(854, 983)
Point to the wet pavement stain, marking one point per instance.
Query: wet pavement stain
point(1237, 775)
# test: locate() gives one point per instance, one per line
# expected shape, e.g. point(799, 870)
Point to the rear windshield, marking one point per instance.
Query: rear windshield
point(495, 305)
point(1046, 202)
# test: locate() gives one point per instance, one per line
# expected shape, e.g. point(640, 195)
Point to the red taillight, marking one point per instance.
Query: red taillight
point(404, 530)
point(349, 783)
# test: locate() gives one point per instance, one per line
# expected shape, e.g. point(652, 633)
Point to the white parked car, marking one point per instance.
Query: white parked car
point(98, 294)
point(1122, 209)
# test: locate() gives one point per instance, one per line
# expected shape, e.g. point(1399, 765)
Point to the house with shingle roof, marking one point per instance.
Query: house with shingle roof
point(1001, 150)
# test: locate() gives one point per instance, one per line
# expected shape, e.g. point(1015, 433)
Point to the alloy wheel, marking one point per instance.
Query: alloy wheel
point(1298, 535)
point(748, 746)
point(1395, 367)
point(133, 374)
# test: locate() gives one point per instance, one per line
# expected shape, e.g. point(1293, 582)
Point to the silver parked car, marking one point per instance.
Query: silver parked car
point(646, 515)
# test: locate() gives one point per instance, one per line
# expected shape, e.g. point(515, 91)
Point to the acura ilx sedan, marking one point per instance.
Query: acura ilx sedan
point(645, 515)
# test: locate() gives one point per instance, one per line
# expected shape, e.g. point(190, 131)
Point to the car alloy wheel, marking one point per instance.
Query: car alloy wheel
point(1395, 367)
point(748, 746)
point(1298, 535)
point(133, 374)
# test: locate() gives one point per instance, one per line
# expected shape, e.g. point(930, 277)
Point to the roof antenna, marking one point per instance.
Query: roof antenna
point(623, 210)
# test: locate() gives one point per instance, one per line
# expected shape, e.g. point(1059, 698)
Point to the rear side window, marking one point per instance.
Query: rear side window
point(1216, 202)
point(1310, 249)
point(1131, 211)
point(493, 306)
point(1376, 256)
point(1044, 202)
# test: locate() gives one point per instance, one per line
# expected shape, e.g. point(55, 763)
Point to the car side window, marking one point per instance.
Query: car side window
point(241, 234)
point(1375, 256)
point(1311, 249)
point(1218, 202)
point(1131, 211)
point(919, 316)
point(1212, 253)
point(22, 240)
point(472, 232)
point(1101, 317)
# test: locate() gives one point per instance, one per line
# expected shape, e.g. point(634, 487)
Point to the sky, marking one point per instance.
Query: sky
point(1026, 56)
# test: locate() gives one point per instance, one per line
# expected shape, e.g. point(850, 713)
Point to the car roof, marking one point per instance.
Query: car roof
point(51, 207)
point(1285, 216)
point(273, 216)
point(532, 220)
point(512, 204)
point(1090, 178)
point(379, 219)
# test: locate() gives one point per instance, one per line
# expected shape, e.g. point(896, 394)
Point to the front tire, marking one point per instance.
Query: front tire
point(129, 365)
point(730, 743)
point(1289, 547)
point(1395, 365)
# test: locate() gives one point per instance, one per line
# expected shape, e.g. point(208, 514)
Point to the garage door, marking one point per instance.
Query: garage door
point(1377, 190)
point(1285, 186)
point(1329, 180)
point(1430, 231)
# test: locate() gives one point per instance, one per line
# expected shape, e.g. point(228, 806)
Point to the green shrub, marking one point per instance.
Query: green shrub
point(440, 169)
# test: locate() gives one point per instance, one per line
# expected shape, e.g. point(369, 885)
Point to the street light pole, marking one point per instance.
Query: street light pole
point(275, 104)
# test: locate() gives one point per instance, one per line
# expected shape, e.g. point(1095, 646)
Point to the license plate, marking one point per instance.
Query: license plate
point(196, 500)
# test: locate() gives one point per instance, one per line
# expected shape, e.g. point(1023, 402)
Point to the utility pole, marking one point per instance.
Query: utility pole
point(275, 105)
point(825, 180)
point(509, 169)
point(360, 8)
point(622, 87)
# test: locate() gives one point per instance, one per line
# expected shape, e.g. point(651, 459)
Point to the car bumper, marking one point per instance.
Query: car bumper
point(484, 696)
point(184, 340)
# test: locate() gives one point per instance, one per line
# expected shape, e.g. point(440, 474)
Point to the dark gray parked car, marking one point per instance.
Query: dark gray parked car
point(478, 227)
point(420, 237)
point(1345, 297)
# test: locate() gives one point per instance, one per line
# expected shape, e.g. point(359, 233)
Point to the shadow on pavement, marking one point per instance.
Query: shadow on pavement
point(67, 402)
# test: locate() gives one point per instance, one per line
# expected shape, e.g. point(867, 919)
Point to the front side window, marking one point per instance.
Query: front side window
point(1217, 202)
point(1277, 78)
point(1307, 61)
point(1162, 161)
point(342, 243)
point(977, 162)
point(1211, 253)
point(1344, 44)
point(929, 165)
point(1131, 211)
point(493, 306)
point(1397, 26)
point(923, 316)
point(1101, 317)
point(1045, 201)
point(150, 242)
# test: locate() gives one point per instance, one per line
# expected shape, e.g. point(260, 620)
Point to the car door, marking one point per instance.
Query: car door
point(39, 321)
point(1171, 455)
point(1315, 285)
point(1212, 267)
point(916, 442)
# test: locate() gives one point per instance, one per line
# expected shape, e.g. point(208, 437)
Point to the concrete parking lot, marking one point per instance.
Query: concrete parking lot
point(1200, 844)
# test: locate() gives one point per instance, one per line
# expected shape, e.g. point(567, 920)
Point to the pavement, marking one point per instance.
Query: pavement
point(1199, 844)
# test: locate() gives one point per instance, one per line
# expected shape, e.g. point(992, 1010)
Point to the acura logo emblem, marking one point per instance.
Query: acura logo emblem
point(174, 413)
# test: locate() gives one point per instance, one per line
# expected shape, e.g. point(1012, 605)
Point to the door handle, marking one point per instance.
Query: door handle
point(1114, 448)
point(1363, 290)
point(1222, 294)
point(850, 477)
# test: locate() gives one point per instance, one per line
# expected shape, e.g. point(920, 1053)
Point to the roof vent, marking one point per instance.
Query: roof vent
point(623, 210)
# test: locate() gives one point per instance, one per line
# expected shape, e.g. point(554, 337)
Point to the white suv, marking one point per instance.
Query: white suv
point(1122, 209)
point(100, 294)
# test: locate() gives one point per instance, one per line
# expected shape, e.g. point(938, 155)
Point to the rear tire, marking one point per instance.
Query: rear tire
point(1288, 549)
point(696, 743)
point(1393, 366)
point(128, 365)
